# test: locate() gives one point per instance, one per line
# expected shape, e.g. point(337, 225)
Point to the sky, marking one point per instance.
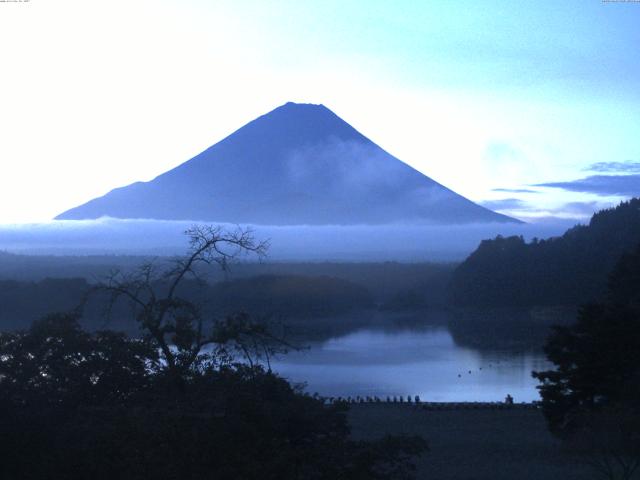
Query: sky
point(529, 107)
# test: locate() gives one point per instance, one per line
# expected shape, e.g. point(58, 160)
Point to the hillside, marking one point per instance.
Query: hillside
point(300, 164)
point(292, 299)
point(567, 270)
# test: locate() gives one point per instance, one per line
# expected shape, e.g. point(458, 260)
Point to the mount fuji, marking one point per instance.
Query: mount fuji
point(299, 164)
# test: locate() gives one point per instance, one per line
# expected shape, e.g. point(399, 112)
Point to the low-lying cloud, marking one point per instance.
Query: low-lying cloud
point(515, 190)
point(605, 185)
point(406, 243)
point(504, 204)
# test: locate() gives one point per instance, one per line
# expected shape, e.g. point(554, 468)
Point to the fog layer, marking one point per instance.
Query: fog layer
point(406, 243)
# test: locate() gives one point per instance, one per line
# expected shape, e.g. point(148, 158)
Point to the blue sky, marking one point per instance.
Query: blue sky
point(529, 107)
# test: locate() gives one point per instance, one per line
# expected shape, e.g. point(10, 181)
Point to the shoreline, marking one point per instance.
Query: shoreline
point(465, 405)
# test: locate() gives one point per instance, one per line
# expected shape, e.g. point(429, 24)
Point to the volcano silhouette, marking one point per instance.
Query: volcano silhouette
point(299, 164)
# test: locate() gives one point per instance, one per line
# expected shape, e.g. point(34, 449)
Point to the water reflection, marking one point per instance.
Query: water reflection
point(412, 361)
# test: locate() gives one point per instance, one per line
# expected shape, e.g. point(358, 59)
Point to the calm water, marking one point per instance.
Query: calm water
point(425, 362)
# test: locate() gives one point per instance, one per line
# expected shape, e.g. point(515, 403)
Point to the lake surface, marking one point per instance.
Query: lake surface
point(424, 361)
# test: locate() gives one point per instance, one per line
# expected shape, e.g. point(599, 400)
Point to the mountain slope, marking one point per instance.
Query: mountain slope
point(567, 270)
point(299, 164)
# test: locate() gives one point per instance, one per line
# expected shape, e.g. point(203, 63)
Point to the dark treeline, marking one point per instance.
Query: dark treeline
point(289, 299)
point(289, 296)
point(508, 328)
point(32, 286)
point(567, 270)
point(38, 267)
point(420, 283)
point(384, 280)
point(387, 282)
point(24, 302)
point(591, 398)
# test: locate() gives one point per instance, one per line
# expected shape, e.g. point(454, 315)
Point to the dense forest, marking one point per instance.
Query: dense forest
point(275, 297)
point(32, 286)
point(424, 283)
point(567, 270)
point(591, 396)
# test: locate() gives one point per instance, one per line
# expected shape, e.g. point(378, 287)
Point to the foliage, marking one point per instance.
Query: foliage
point(168, 320)
point(592, 398)
point(75, 405)
point(567, 270)
point(57, 363)
point(99, 413)
point(598, 364)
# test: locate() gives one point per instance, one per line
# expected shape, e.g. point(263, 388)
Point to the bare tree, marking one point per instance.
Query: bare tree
point(176, 325)
point(254, 340)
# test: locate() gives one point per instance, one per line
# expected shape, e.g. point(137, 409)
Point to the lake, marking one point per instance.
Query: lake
point(426, 361)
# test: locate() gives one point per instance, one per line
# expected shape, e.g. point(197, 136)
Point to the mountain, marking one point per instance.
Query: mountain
point(569, 270)
point(298, 164)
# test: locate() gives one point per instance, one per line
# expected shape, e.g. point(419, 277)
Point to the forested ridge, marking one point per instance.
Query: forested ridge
point(566, 270)
point(286, 297)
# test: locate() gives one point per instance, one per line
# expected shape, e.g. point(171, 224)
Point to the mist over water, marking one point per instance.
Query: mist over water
point(417, 361)
point(391, 242)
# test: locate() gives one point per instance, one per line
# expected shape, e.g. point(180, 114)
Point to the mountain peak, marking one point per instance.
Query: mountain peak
point(293, 108)
point(309, 111)
point(298, 164)
point(303, 105)
point(296, 124)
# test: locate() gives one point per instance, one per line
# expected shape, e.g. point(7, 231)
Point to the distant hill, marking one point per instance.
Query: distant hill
point(299, 164)
point(287, 298)
point(567, 270)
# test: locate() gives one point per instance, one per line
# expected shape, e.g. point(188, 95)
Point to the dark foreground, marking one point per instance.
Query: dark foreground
point(473, 444)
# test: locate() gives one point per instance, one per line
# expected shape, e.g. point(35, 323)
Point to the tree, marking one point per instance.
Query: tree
point(53, 378)
point(172, 322)
point(592, 398)
point(228, 423)
point(571, 269)
point(56, 363)
point(76, 405)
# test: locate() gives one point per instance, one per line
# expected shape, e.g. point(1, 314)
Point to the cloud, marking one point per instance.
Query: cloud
point(514, 190)
point(623, 185)
point(581, 208)
point(565, 212)
point(351, 170)
point(617, 167)
point(504, 204)
point(503, 152)
point(287, 243)
point(508, 164)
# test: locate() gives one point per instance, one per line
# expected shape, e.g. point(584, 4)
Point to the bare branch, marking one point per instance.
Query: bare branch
point(171, 322)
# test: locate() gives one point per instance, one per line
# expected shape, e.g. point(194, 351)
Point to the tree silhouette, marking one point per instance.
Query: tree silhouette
point(173, 323)
point(592, 398)
point(55, 363)
point(571, 269)
point(75, 405)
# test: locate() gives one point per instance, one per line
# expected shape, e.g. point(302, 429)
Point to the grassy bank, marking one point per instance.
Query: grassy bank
point(478, 444)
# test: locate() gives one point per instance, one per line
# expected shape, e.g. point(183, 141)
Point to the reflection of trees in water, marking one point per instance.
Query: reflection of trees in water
point(514, 329)
point(480, 329)
point(325, 328)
